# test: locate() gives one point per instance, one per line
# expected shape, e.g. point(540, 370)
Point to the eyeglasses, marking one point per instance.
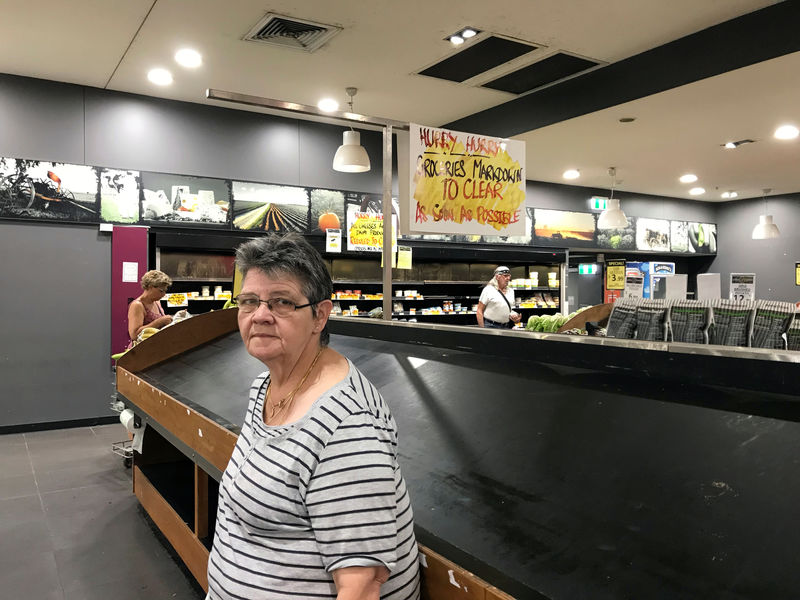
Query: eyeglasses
point(280, 307)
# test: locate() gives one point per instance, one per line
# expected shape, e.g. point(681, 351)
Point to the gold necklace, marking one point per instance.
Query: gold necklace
point(287, 401)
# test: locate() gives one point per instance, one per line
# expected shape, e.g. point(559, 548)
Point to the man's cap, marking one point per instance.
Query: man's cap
point(502, 271)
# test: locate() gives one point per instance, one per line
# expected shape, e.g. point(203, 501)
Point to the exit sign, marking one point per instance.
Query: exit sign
point(587, 269)
point(598, 203)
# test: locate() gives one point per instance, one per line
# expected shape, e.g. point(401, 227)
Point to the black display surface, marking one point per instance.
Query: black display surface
point(561, 482)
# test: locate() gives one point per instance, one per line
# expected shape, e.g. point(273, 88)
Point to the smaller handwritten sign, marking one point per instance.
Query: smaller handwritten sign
point(333, 240)
point(365, 231)
point(742, 287)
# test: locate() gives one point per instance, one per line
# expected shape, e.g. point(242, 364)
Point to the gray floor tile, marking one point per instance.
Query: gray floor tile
point(66, 452)
point(11, 439)
point(14, 461)
point(59, 434)
point(29, 576)
point(17, 486)
point(108, 471)
point(23, 528)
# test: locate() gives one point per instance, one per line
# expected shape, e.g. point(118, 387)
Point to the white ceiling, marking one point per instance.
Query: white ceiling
point(113, 43)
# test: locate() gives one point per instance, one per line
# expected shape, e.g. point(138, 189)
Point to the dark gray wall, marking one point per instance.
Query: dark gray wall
point(772, 260)
point(55, 346)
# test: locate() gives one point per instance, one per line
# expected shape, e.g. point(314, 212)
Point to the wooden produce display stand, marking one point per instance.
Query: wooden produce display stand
point(599, 313)
point(187, 446)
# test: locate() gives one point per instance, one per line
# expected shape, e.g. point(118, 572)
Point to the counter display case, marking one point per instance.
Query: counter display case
point(546, 465)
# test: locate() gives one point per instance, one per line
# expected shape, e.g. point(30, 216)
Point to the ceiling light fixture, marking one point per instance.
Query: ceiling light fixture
point(729, 195)
point(612, 217)
point(766, 229)
point(462, 35)
point(186, 57)
point(571, 174)
point(696, 191)
point(468, 33)
point(456, 40)
point(351, 157)
point(159, 76)
point(328, 105)
point(786, 132)
point(688, 178)
point(730, 145)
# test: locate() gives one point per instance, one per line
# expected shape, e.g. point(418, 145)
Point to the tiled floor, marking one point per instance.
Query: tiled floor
point(70, 526)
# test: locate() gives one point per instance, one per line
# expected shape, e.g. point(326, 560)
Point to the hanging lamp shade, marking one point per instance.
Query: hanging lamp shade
point(612, 217)
point(351, 157)
point(765, 229)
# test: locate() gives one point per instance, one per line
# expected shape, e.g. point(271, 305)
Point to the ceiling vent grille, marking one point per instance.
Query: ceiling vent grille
point(289, 32)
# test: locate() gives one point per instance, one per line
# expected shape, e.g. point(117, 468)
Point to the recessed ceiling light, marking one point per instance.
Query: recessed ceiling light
point(730, 145)
point(571, 174)
point(456, 40)
point(688, 178)
point(786, 132)
point(186, 57)
point(727, 195)
point(696, 191)
point(160, 76)
point(328, 105)
point(468, 33)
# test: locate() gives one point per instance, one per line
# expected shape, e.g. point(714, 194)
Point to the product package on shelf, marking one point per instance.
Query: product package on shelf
point(731, 322)
point(689, 321)
point(771, 322)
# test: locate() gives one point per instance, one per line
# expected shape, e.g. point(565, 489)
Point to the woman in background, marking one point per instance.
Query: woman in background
point(146, 310)
point(312, 503)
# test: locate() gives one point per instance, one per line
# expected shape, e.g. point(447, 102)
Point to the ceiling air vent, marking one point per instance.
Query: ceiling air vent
point(289, 32)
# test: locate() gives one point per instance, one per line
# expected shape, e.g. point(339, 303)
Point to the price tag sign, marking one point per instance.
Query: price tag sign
point(743, 287)
point(797, 273)
point(634, 286)
point(615, 275)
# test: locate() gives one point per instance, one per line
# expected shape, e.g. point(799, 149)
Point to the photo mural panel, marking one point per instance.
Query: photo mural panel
point(265, 207)
point(563, 228)
point(679, 236)
point(184, 200)
point(652, 235)
point(47, 191)
point(327, 210)
point(618, 239)
point(702, 238)
point(119, 195)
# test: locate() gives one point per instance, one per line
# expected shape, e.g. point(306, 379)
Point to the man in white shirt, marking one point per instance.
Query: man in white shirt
point(496, 304)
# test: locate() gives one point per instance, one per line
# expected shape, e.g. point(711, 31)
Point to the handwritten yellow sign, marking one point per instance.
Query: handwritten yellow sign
point(365, 231)
point(615, 275)
point(466, 183)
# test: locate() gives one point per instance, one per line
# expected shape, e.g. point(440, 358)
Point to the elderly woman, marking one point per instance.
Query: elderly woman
point(146, 310)
point(495, 306)
point(312, 503)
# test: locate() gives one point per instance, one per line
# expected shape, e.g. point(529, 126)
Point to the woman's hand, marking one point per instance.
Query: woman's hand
point(161, 322)
point(360, 583)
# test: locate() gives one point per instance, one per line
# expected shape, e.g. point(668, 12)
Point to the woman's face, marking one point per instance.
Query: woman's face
point(269, 337)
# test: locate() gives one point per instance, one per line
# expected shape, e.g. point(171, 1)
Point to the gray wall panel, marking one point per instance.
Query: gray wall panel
point(149, 134)
point(55, 346)
point(772, 260)
point(41, 119)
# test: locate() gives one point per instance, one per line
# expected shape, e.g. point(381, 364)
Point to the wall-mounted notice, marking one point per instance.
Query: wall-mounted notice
point(333, 240)
point(404, 257)
point(615, 274)
point(743, 287)
point(797, 273)
point(464, 183)
point(365, 231)
point(130, 272)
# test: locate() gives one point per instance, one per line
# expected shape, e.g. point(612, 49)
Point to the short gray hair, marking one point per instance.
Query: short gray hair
point(289, 255)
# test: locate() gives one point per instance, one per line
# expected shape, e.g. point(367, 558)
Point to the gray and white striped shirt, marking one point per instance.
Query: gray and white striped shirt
point(301, 500)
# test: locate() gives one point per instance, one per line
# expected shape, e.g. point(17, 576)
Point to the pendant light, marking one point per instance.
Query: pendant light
point(351, 157)
point(612, 217)
point(765, 229)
